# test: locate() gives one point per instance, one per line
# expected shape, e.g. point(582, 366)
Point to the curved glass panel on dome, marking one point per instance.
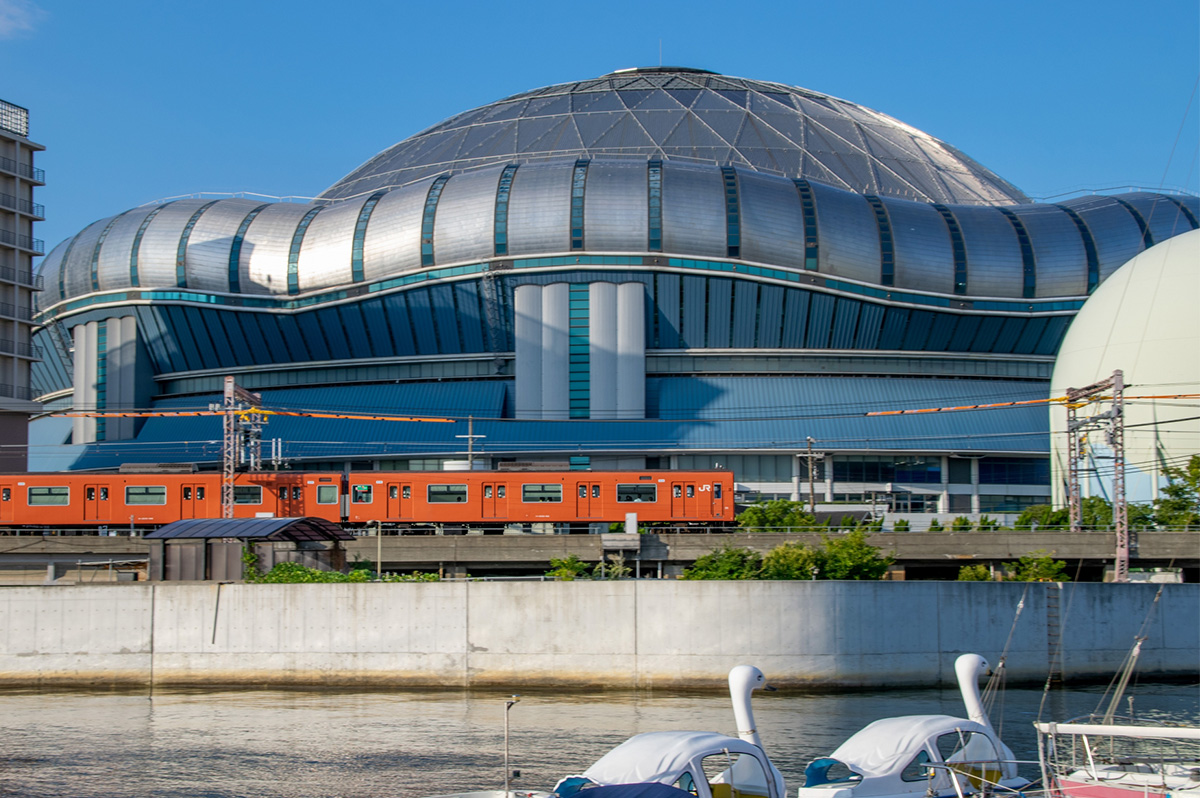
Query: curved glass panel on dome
point(689, 115)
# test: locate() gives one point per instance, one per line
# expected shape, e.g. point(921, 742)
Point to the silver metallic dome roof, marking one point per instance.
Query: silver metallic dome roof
point(688, 115)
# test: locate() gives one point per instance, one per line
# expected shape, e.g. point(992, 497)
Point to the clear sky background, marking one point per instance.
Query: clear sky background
point(138, 101)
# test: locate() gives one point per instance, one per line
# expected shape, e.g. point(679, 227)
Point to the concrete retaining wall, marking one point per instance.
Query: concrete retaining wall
point(653, 633)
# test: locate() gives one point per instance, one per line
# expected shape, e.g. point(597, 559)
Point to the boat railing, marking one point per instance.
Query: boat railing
point(983, 775)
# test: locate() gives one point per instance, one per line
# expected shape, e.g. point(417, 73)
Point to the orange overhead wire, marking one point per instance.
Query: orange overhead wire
point(1060, 399)
point(245, 412)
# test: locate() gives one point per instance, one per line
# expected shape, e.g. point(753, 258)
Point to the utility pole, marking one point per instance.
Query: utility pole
point(470, 436)
point(1112, 423)
point(242, 426)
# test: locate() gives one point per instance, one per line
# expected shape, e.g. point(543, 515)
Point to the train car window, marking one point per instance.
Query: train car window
point(5, 494)
point(447, 494)
point(146, 494)
point(595, 491)
point(199, 492)
point(48, 496)
point(691, 491)
point(247, 494)
point(676, 491)
point(583, 491)
point(187, 493)
point(283, 494)
point(499, 491)
point(393, 492)
point(532, 494)
point(637, 493)
point(104, 494)
point(406, 492)
point(487, 491)
point(717, 490)
point(360, 494)
point(297, 492)
point(91, 494)
point(327, 494)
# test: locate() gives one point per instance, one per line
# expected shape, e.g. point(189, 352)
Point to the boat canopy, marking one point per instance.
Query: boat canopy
point(664, 756)
point(887, 746)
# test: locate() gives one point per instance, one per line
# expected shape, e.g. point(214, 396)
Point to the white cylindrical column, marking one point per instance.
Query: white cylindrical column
point(631, 351)
point(602, 349)
point(527, 330)
point(556, 351)
point(84, 429)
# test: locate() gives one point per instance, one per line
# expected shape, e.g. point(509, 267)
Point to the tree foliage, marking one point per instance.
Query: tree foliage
point(1039, 566)
point(1179, 502)
point(779, 515)
point(1041, 516)
point(730, 562)
point(961, 524)
point(974, 573)
point(793, 561)
point(569, 568)
point(293, 573)
point(850, 556)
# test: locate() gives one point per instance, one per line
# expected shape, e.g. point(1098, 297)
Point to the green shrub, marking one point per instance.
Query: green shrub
point(730, 562)
point(974, 573)
point(961, 524)
point(901, 525)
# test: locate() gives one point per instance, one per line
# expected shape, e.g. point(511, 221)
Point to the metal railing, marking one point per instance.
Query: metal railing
point(36, 245)
point(23, 169)
point(11, 347)
point(21, 277)
point(16, 391)
point(23, 205)
point(16, 312)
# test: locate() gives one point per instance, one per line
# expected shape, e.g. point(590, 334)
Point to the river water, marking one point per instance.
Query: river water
point(417, 743)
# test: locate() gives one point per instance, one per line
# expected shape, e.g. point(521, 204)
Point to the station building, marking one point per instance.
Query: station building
point(655, 268)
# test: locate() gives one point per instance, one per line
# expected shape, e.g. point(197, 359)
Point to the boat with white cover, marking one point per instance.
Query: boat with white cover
point(921, 756)
point(679, 764)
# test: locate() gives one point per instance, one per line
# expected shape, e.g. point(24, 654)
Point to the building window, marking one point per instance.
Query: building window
point(578, 184)
point(989, 503)
point(887, 249)
point(294, 251)
point(654, 203)
point(958, 246)
point(808, 206)
point(579, 356)
point(503, 190)
point(1028, 264)
point(446, 494)
point(235, 250)
point(431, 203)
point(887, 468)
point(533, 494)
point(733, 222)
point(1014, 471)
point(360, 235)
point(145, 494)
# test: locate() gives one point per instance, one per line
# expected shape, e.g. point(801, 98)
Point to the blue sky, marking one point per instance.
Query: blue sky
point(137, 101)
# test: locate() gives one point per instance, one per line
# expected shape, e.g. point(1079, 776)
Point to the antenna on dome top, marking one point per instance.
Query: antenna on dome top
point(660, 52)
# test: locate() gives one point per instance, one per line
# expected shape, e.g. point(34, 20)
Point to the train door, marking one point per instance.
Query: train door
point(95, 503)
point(399, 500)
point(291, 501)
point(683, 500)
point(6, 504)
point(495, 500)
point(193, 501)
point(587, 500)
point(718, 503)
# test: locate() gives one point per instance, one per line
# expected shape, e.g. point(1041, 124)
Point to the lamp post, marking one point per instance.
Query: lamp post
point(508, 704)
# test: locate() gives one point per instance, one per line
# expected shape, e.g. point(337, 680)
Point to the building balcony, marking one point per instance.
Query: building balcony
point(16, 312)
point(29, 279)
point(23, 206)
point(35, 245)
point(23, 170)
point(11, 347)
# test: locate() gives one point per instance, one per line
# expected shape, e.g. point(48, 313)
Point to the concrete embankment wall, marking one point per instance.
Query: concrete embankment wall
point(621, 634)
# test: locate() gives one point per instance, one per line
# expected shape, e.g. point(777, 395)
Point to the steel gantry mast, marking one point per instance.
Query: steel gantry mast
point(1112, 423)
point(243, 425)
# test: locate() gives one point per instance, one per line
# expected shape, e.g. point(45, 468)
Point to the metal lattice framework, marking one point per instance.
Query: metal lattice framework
point(1112, 423)
point(242, 439)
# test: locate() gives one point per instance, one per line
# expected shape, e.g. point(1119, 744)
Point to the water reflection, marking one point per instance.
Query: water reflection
point(335, 743)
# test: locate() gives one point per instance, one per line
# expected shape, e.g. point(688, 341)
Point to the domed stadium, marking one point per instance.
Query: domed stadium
point(656, 268)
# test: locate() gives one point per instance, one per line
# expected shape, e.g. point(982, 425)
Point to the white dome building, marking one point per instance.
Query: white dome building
point(1143, 321)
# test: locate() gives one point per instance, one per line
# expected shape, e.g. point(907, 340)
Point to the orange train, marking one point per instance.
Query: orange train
point(402, 501)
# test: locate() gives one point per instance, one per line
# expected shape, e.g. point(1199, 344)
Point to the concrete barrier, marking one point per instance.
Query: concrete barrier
point(652, 633)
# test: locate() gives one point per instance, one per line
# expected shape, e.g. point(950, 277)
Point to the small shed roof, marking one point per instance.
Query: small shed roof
point(267, 529)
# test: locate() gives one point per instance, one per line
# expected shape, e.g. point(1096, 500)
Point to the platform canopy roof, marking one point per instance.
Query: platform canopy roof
point(259, 529)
